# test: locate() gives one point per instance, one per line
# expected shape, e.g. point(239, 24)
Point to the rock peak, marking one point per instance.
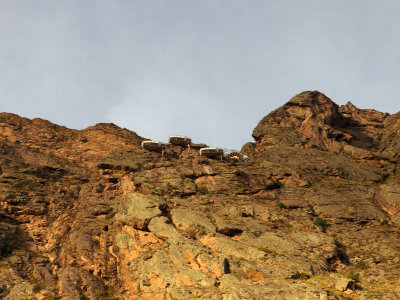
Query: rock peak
point(308, 98)
point(322, 123)
point(350, 105)
point(308, 113)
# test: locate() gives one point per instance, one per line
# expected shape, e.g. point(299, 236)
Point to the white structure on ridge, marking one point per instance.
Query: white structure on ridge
point(212, 152)
point(180, 140)
point(153, 145)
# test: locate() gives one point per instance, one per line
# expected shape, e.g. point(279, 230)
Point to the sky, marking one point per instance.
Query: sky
point(208, 69)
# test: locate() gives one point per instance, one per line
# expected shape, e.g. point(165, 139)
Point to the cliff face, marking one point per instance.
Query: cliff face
point(314, 214)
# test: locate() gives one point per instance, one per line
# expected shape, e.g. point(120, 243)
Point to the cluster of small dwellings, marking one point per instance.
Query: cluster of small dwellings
point(184, 141)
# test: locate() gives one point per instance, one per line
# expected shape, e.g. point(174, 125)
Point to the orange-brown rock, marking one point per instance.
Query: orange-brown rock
point(314, 213)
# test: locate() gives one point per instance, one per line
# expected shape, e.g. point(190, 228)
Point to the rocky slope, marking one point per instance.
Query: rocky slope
point(314, 213)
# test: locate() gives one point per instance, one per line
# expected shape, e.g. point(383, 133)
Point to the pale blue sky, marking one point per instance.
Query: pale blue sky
point(207, 69)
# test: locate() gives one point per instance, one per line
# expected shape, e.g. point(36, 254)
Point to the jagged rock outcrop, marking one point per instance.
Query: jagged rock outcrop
point(311, 114)
point(321, 123)
point(314, 214)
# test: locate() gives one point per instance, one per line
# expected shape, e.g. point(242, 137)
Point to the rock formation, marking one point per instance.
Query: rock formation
point(313, 214)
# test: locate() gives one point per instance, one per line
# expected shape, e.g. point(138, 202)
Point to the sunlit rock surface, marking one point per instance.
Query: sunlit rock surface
point(313, 214)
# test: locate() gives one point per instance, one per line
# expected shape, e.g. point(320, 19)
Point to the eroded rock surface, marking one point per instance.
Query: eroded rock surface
point(313, 214)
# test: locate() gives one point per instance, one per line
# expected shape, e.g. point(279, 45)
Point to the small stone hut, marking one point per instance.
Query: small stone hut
point(212, 152)
point(153, 145)
point(180, 140)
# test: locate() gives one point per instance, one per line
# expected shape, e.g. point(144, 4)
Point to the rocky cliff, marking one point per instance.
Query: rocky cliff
point(314, 213)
